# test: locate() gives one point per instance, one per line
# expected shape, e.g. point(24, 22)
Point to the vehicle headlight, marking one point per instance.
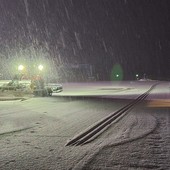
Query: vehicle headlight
point(40, 67)
point(20, 67)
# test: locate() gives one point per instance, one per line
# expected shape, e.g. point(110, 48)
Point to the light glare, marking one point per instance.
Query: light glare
point(40, 67)
point(20, 67)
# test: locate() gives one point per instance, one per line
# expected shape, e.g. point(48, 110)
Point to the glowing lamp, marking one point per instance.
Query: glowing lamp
point(40, 67)
point(20, 67)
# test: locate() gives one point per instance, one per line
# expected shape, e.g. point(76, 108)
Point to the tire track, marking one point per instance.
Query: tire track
point(93, 132)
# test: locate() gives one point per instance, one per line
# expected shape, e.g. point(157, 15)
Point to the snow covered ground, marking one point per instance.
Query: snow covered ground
point(33, 132)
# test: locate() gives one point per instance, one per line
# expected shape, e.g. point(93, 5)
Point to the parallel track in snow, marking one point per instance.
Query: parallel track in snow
point(93, 132)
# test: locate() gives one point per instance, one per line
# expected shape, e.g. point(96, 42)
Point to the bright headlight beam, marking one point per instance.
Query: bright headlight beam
point(20, 67)
point(40, 67)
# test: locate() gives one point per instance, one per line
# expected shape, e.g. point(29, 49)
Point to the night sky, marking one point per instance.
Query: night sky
point(134, 34)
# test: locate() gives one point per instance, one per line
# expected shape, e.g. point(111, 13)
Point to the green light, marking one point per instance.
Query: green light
point(137, 75)
point(117, 73)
